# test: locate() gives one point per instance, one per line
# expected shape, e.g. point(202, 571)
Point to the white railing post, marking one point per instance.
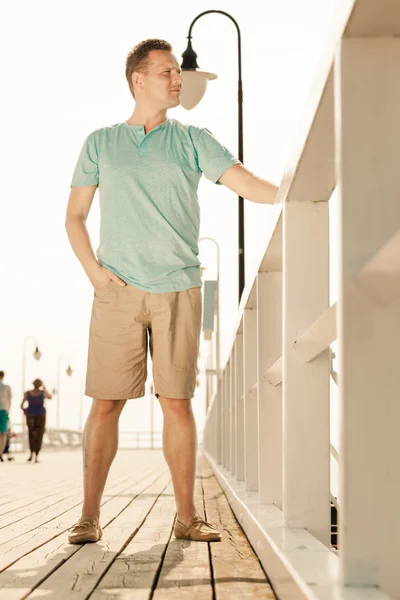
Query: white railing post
point(232, 365)
point(269, 315)
point(218, 426)
point(306, 458)
point(240, 406)
point(250, 400)
point(227, 423)
point(368, 132)
point(222, 419)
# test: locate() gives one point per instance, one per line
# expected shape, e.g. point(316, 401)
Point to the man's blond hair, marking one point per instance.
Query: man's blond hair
point(138, 59)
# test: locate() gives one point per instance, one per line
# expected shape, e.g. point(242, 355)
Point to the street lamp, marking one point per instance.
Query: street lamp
point(68, 372)
point(36, 355)
point(195, 84)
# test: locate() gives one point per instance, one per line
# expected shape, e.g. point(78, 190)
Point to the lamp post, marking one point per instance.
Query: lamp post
point(195, 84)
point(68, 372)
point(36, 355)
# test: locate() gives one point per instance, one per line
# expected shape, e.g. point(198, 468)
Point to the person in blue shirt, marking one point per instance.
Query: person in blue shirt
point(146, 273)
point(34, 409)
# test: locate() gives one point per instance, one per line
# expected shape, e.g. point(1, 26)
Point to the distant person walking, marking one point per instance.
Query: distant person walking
point(5, 404)
point(35, 416)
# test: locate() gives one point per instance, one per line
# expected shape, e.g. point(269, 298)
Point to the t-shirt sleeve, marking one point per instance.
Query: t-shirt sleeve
point(87, 170)
point(213, 158)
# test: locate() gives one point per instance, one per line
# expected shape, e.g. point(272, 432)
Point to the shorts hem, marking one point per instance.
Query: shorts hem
point(122, 396)
point(173, 395)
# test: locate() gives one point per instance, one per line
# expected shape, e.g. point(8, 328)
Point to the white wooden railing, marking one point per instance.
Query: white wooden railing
point(267, 433)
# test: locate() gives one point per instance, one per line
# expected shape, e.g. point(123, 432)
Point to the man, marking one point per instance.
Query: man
point(146, 276)
point(5, 405)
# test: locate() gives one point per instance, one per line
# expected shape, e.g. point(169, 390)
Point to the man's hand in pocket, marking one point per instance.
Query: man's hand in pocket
point(103, 278)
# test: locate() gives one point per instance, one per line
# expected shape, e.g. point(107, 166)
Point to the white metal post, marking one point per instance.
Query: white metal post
point(269, 326)
point(228, 416)
point(240, 407)
point(233, 405)
point(368, 133)
point(223, 418)
point(250, 401)
point(306, 458)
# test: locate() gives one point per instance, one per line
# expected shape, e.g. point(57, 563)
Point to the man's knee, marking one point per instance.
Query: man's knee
point(175, 406)
point(104, 408)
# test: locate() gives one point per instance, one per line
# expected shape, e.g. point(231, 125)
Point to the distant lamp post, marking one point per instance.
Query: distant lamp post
point(193, 90)
point(36, 355)
point(68, 372)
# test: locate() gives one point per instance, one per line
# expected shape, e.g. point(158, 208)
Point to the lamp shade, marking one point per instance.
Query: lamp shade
point(194, 86)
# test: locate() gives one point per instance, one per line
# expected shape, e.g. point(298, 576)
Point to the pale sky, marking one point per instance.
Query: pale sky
point(63, 77)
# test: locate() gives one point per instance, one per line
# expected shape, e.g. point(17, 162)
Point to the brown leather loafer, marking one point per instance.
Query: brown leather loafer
point(197, 530)
point(85, 530)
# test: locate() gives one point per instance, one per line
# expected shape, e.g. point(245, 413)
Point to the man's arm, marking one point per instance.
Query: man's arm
point(79, 203)
point(244, 183)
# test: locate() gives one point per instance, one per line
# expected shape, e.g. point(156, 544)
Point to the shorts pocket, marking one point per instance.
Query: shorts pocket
point(103, 291)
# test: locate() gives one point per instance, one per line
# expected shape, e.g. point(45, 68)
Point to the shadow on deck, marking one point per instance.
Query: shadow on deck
point(138, 556)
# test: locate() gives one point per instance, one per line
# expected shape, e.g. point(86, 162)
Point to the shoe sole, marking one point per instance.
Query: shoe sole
point(84, 540)
point(201, 540)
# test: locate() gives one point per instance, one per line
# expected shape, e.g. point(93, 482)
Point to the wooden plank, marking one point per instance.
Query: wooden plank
point(27, 573)
point(133, 573)
point(185, 572)
point(45, 515)
point(32, 521)
point(29, 541)
point(23, 499)
point(80, 575)
point(41, 504)
point(237, 572)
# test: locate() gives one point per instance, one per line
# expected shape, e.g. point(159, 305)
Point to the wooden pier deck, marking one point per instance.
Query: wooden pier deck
point(138, 557)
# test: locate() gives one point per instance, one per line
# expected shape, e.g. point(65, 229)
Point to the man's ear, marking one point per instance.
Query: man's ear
point(137, 80)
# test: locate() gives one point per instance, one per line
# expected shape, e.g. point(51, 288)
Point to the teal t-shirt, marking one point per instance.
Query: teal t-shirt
point(149, 209)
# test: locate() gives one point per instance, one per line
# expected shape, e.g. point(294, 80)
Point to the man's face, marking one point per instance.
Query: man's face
point(161, 85)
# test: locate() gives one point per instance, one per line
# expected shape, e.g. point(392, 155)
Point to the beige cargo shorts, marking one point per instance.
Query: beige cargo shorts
point(125, 321)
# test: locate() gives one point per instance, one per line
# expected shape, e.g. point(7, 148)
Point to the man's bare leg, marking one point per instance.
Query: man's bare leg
point(100, 445)
point(180, 449)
